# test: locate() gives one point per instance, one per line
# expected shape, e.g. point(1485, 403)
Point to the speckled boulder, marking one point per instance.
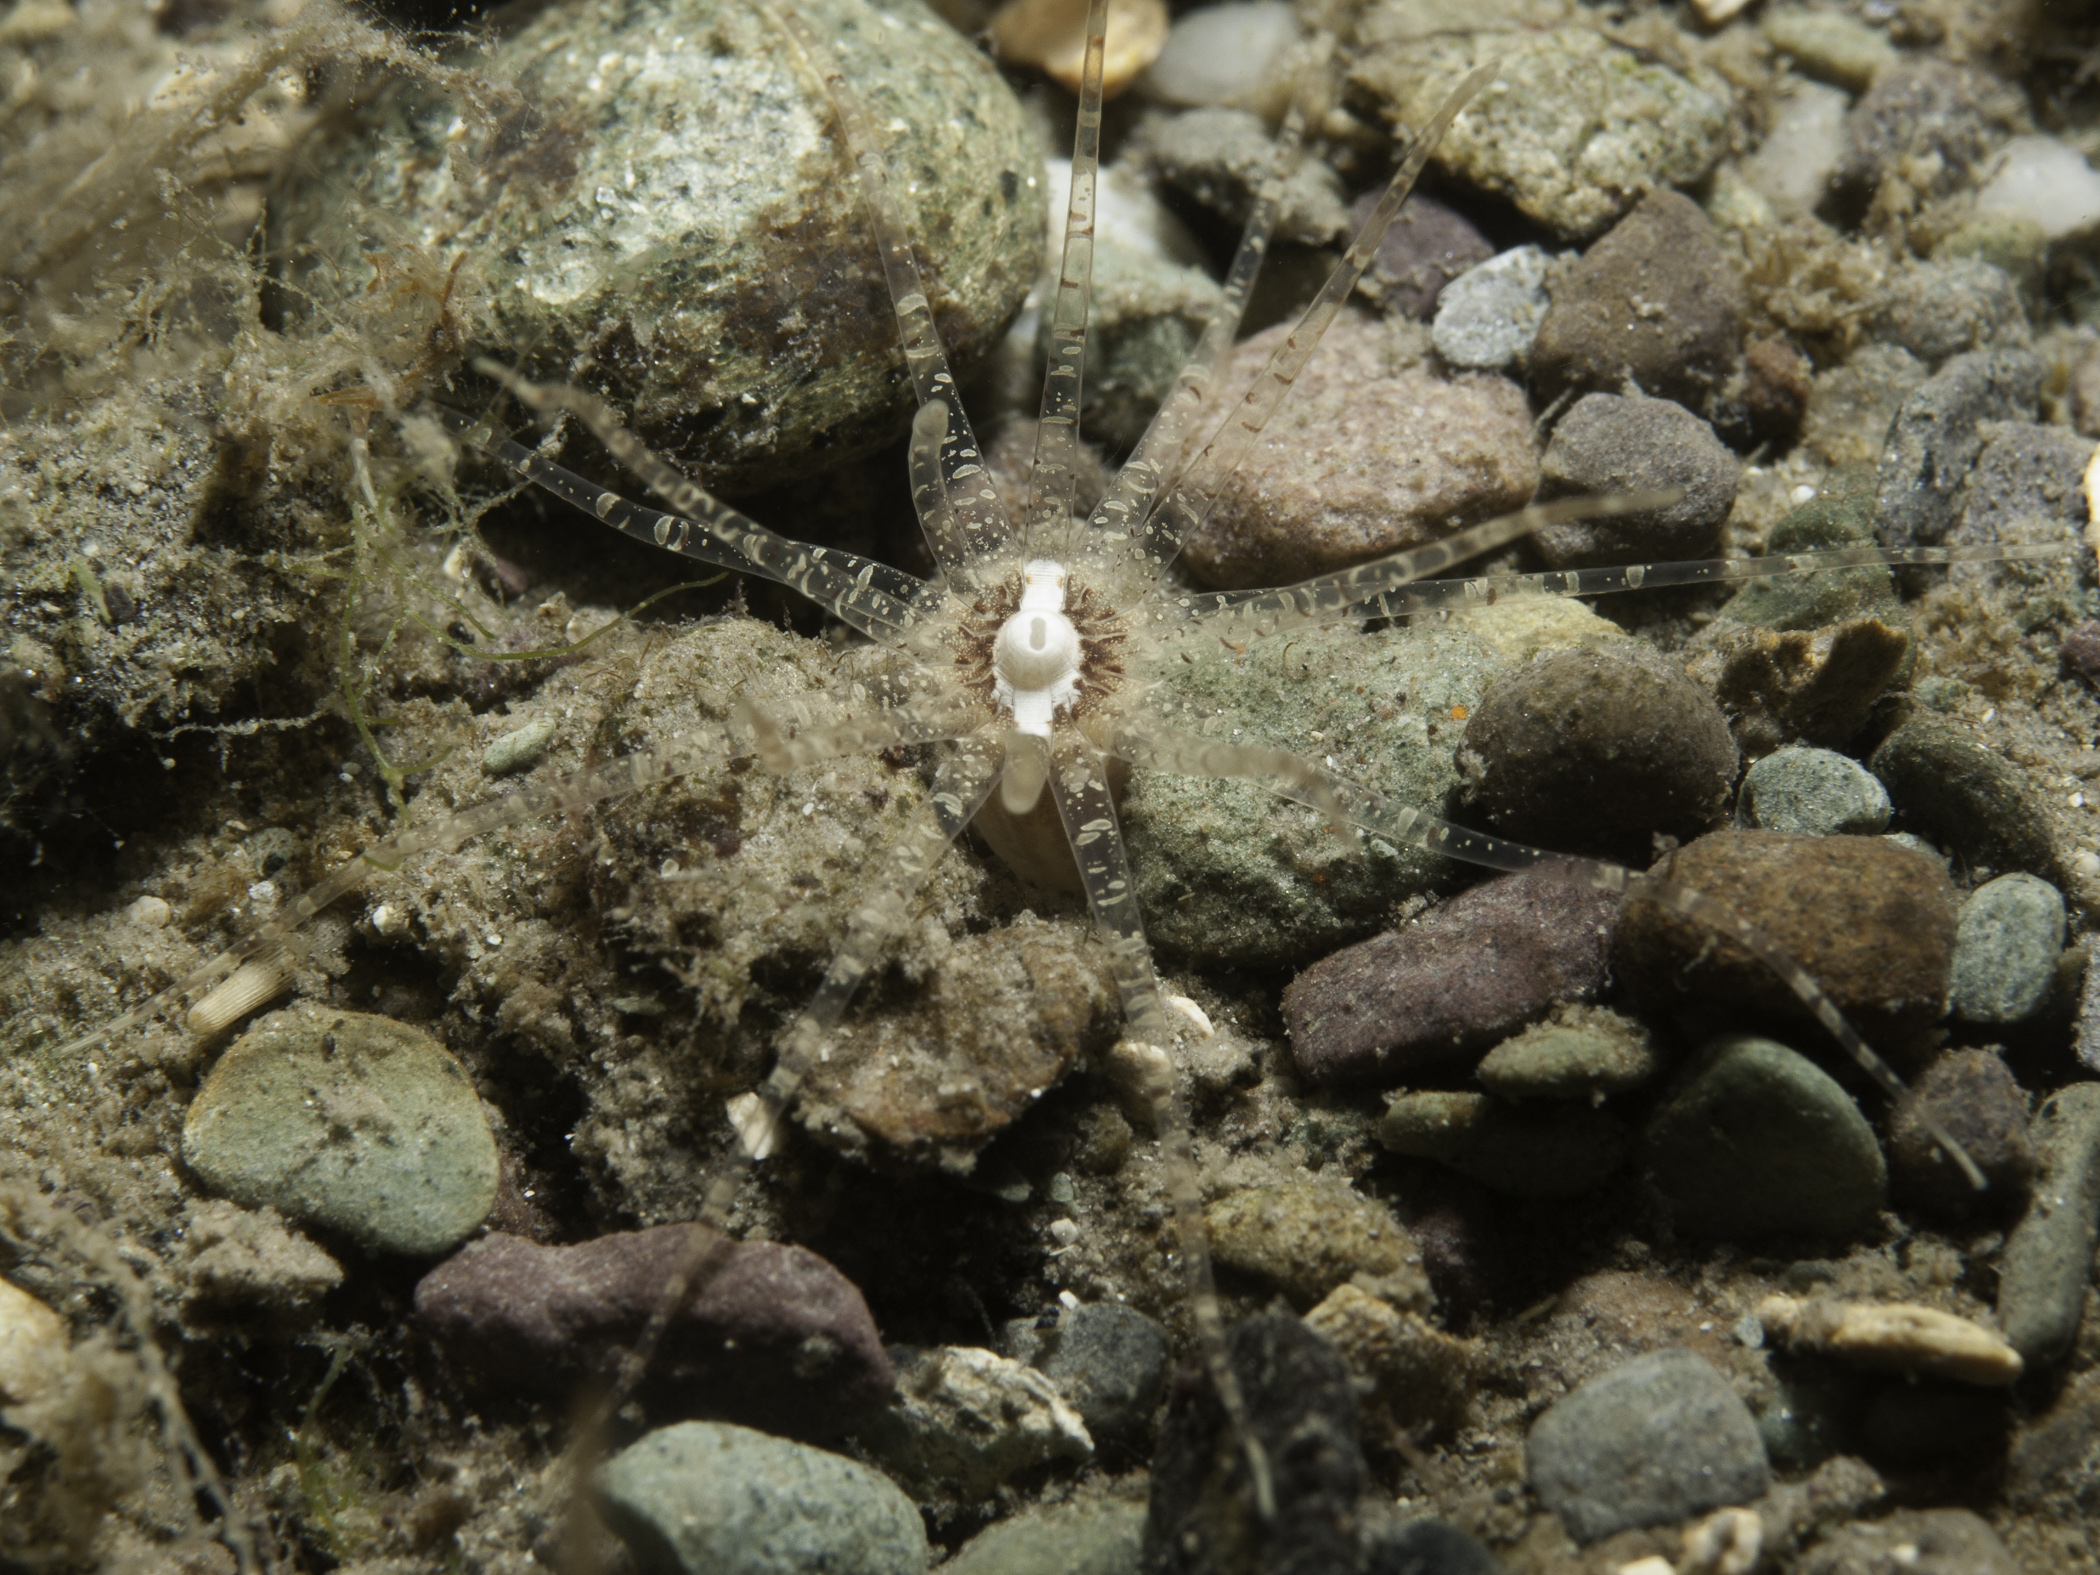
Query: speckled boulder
point(1371, 453)
point(1656, 300)
point(679, 225)
point(1610, 443)
point(1872, 923)
point(1597, 749)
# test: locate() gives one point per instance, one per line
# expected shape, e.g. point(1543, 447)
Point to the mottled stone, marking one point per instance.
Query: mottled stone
point(2027, 487)
point(2055, 1456)
point(34, 1346)
point(243, 1259)
point(1656, 301)
point(966, 1422)
point(1977, 1102)
point(1221, 158)
point(1778, 383)
point(1937, 434)
point(1939, 307)
point(680, 224)
point(2047, 1264)
point(1840, 515)
point(704, 1498)
point(1615, 443)
point(1422, 252)
point(1755, 1140)
point(1926, 121)
point(1108, 1360)
point(1572, 129)
point(1370, 454)
point(1830, 45)
point(1411, 1371)
point(1310, 1234)
point(1950, 787)
point(1488, 317)
point(1494, 958)
point(1873, 925)
point(1584, 1051)
point(1598, 750)
point(1916, 1541)
point(774, 1337)
point(1816, 792)
point(350, 1121)
point(1552, 1150)
point(1649, 1443)
point(1301, 1409)
point(2006, 944)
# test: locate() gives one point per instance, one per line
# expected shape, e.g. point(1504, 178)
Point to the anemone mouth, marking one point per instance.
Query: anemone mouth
point(1103, 630)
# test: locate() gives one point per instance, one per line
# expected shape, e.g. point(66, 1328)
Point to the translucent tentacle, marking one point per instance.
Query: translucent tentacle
point(783, 746)
point(628, 774)
point(978, 526)
point(853, 599)
point(962, 784)
point(1189, 501)
point(1157, 746)
point(1054, 477)
point(1087, 807)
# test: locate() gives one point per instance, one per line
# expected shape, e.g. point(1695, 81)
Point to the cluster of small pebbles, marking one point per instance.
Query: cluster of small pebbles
point(1555, 1231)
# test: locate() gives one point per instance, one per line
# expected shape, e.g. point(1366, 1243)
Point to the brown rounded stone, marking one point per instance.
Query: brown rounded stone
point(1871, 922)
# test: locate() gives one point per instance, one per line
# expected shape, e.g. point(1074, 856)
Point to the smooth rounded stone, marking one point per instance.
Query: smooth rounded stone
point(683, 226)
point(518, 749)
point(1425, 1547)
point(1372, 453)
point(1939, 307)
point(1221, 54)
point(775, 1338)
point(1937, 434)
point(1100, 1538)
point(1930, 122)
point(1302, 1411)
point(1308, 1235)
point(1583, 1052)
point(1792, 166)
point(350, 1121)
point(2044, 181)
point(2006, 944)
point(966, 1422)
point(1004, 1018)
point(1815, 792)
point(706, 1498)
point(1421, 253)
point(1226, 873)
point(1409, 1371)
point(1108, 1360)
point(1841, 515)
point(1654, 1441)
point(2048, 1259)
point(1830, 46)
point(1754, 1140)
point(1494, 958)
point(35, 1347)
point(1656, 300)
point(1950, 787)
point(1916, 1541)
point(2028, 486)
point(1488, 316)
point(1598, 749)
point(1571, 130)
point(1801, 686)
point(1550, 1150)
point(1872, 924)
point(1977, 1102)
point(1222, 157)
point(1612, 443)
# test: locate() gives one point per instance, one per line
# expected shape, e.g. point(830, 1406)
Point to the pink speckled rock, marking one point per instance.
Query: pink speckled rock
point(1370, 453)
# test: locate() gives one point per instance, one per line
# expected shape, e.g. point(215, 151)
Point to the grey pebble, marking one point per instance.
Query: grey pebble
point(1654, 1441)
point(1937, 434)
point(2027, 486)
point(1582, 1052)
point(1557, 1149)
point(1815, 791)
point(2006, 944)
point(1108, 1360)
point(347, 1120)
point(1915, 1541)
point(1754, 1139)
point(1929, 121)
point(1221, 157)
point(1939, 307)
point(1949, 785)
point(518, 749)
point(2048, 1259)
point(1487, 317)
point(1612, 443)
point(1419, 998)
point(967, 1421)
point(1975, 1098)
point(1102, 1538)
point(1144, 320)
point(706, 1498)
point(1425, 1547)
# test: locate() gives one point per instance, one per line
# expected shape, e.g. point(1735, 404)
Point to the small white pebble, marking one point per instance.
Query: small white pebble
point(2087, 865)
point(2078, 801)
point(493, 940)
point(2043, 180)
point(668, 868)
point(389, 920)
point(809, 809)
point(1064, 1232)
point(148, 913)
point(1068, 1301)
point(1194, 1013)
point(1803, 493)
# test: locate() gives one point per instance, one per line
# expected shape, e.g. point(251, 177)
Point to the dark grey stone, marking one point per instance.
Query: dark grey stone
point(1657, 1440)
point(1071, 1539)
point(1221, 157)
point(2006, 945)
point(1757, 1140)
point(1842, 516)
point(2048, 1259)
point(1942, 306)
point(1937, 434)
point(1108, 1360)
point(1950, 787)
point(1426, 1547)
point(1977, 1102)
point(1613, 443)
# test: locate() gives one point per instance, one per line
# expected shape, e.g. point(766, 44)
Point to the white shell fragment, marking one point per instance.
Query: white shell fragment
point(2043, 180)
point(1895, 1335)
point(758, 1132)
point(1727, 1542)
point(257, 980)
point(518, 749)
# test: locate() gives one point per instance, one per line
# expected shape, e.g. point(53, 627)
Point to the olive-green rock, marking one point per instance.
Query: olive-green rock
point(350, 1121)
point(667, 211)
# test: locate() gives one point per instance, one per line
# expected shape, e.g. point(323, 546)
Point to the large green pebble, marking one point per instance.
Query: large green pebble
point(349, 1121)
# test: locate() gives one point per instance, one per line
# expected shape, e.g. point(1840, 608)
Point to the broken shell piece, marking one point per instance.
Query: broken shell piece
point(257, 980)
point(757, 1130)
point(1898, 1335)
point(2092, 501)
point(1727, 1542)
point(1198, 1018)
point(1714, 12)
point(1051, 34)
